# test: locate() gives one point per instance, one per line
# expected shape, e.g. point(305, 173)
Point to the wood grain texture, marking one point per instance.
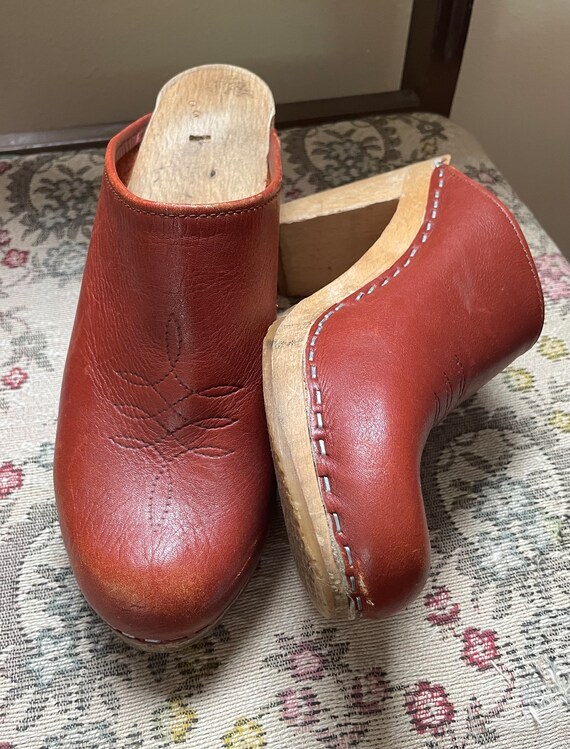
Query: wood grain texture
point(322, 236)
point(207, 140)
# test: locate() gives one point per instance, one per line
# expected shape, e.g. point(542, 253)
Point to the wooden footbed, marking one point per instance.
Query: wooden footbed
point(207, 140)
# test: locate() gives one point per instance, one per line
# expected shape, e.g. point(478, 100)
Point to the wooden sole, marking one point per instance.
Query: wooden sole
point(285, 390)
point(174, 646)
point(157, 647)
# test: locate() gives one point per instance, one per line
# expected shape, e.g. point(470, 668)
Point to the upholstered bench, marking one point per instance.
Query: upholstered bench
point(481, 658)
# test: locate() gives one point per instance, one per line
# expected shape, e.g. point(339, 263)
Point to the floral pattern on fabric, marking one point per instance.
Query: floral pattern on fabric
point(481, 658)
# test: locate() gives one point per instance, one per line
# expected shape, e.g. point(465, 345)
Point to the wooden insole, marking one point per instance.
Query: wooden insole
point(207, 140)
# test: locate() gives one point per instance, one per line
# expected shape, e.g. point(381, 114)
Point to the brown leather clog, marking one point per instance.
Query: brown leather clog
point(356, 376)
point(163, 473)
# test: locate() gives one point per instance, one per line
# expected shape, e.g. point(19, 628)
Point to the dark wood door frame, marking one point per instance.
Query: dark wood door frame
point(434, 50)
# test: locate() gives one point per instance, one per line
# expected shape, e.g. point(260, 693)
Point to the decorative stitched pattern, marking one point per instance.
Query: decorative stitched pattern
point(315, 391)
point(450, 395)
point(171, 430)
point(172, 422)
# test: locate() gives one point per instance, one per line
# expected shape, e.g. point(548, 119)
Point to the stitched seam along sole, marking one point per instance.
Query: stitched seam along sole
point(326, 488)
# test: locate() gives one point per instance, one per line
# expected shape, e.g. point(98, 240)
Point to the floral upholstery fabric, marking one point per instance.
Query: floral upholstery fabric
point(481, 658)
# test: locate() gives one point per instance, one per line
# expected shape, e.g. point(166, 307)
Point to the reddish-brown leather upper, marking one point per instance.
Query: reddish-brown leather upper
point(162, 469)
point(388, 365)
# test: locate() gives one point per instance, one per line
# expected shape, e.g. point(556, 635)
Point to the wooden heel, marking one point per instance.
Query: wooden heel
point(323, 235)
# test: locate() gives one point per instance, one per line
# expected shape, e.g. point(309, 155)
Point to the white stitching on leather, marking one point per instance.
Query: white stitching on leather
point(320, 442)
point(336, 522)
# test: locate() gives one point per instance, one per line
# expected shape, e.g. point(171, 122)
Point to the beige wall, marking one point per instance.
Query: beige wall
point(513, 94)
point(71, 62)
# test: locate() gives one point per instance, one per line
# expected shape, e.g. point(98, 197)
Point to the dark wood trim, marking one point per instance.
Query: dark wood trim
point(318, 111)
point(88, 136)
point(434, 50)
point(287, 115)
point(436, 40)
point(423, 22)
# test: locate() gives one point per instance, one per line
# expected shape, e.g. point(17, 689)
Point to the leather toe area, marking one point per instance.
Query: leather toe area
point(174, 551)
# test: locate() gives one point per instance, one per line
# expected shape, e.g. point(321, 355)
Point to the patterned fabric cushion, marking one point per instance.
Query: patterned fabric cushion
point(481, 658)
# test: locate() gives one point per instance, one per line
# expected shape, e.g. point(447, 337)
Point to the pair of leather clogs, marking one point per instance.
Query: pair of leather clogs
point(163, 469)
